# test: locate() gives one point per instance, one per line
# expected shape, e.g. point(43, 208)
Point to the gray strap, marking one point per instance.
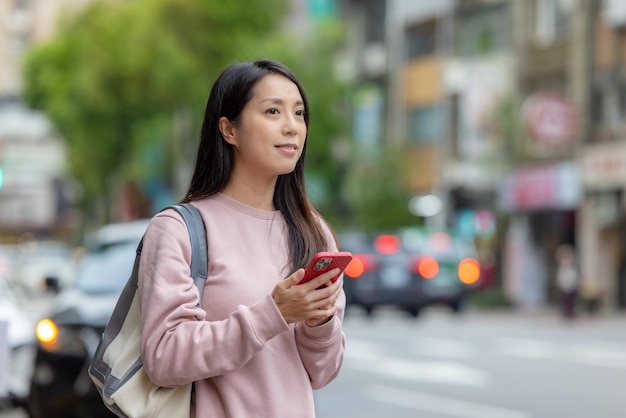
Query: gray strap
point(99, 369)
point(199, 251)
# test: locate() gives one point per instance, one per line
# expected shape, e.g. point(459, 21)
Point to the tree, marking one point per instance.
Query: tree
point(115, 76)
point(377, 192)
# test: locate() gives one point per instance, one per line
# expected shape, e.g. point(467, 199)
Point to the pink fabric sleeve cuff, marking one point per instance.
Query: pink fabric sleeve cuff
point(320, 333)
point(266, 319)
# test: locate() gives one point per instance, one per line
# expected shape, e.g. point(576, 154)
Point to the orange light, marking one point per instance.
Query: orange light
point(47, 331)
point(428, 267)
point(356, 268)
point(469, 271)
point(387, 244)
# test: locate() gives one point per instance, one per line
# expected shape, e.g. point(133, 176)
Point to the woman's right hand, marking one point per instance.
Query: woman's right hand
point(313, 301)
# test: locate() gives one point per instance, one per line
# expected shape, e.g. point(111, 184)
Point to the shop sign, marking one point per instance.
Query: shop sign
point(604, 166)
point(556, 187)
point(549, 119)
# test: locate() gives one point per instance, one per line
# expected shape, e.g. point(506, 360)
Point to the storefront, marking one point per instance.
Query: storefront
point(541, 202)
point(603, 222)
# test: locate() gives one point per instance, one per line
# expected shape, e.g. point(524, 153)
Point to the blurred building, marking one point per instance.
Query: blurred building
point(433, 75)
point(34, 189)
point(34, 194)
point(542, 190)
point(22, 24)
point(515, 109)
point(602, 155)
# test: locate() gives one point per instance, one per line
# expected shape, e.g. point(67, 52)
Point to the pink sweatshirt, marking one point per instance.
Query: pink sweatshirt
point(244, 357)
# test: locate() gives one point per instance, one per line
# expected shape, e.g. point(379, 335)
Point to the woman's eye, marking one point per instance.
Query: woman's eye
point(272, 111)
point(301, 112)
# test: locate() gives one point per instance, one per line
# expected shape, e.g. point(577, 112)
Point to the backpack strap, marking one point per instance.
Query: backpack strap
point(100, 367)
point(199, 250)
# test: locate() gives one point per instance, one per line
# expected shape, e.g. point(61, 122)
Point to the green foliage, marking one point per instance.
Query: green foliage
point(377, 193)
point(505, 123)
point(492, 297)
point(114, 76)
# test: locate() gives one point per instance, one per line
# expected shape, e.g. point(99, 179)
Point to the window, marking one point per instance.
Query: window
point(550, 21)
point(421, 40)
point(425, 124)
point(483, 31)
point(608, 109)
point(375, 20)
point(20, 4)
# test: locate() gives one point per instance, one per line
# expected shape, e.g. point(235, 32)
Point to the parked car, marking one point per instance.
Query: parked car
point(446, 264)
point(68, 337)
point(116, 234)
point(410, 269)
point(16, 341)
point(34, 262)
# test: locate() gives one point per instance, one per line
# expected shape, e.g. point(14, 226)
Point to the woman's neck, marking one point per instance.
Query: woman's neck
point(251, 193)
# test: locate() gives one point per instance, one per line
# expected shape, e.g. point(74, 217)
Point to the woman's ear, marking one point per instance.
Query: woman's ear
point(228, 130)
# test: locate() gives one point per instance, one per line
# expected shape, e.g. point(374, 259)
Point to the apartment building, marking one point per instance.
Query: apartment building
point(514, 109)
point(34, 191)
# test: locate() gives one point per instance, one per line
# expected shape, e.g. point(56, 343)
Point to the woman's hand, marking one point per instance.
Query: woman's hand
point(313, 302)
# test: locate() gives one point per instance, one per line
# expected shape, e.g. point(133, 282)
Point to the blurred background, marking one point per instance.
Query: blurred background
point(508, 116)
point(502, 123)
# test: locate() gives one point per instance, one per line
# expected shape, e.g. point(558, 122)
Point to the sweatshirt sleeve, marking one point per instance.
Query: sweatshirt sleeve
point(322, 347)
point(178, 344)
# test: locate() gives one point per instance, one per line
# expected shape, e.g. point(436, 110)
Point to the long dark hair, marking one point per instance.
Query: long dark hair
point(232, 90)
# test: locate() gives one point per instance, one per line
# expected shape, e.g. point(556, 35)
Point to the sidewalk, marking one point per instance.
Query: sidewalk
point(549, 316)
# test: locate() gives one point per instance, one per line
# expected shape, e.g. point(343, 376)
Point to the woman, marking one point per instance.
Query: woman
point(567, 279)
point(260, 343)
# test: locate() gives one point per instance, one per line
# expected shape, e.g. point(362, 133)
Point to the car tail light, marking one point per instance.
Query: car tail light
point(427, 267)
point(360, 264)
point(387, 244)
point(469, 271)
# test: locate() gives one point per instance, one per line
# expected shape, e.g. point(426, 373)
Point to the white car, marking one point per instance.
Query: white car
point(17, 347)
point(34, 262)
point(117, 234)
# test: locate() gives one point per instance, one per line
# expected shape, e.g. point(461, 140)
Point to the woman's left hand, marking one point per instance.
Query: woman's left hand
point(313, 302)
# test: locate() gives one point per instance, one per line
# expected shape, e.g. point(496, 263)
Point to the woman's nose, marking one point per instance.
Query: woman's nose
point(290, 127)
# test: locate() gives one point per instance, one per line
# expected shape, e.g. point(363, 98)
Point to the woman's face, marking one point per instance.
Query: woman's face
point(270, 135)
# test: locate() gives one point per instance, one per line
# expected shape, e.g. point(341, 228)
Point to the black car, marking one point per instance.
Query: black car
point(68, 337)
point(409, 269)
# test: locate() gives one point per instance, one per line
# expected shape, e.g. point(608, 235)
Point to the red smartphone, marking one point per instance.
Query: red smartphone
point(325, 261)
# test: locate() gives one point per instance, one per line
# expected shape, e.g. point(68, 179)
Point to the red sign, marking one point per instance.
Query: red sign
point(555, 186)
point(549, 118)
point(534, 188)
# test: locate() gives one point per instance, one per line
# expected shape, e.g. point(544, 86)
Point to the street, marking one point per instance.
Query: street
point(476, 365)
point(479, 365)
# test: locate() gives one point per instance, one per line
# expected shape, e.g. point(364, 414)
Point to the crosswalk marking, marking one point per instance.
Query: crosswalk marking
point(590, 354)
point(444, 347)
point(440, 404)
point(526, 348)
point(369, 358)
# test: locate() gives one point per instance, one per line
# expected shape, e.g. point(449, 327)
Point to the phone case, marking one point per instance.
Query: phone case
point(326, 261)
